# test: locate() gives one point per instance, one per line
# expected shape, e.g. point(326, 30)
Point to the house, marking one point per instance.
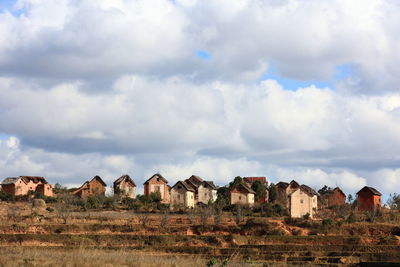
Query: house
point(263, 180)
point(302, 201)
point(157, 183)
point(125, 187)
point(242, 194)
point(205, 191)
point(22, 185)
point(284, 190)
point(331, 197)
point(368, 199)
point(96, 186)
point(182, 194)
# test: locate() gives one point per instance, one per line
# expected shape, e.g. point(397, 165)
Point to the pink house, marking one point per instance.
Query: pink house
point(19, 186)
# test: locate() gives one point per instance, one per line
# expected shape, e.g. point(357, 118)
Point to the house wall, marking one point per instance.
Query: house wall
point(238, 198)
point(189, 199)
point(8, 188)
point(368, 202)
point(336, 199)
point(96, 188)
point(250, 199)
point(126, 189)
point(204, 195)
point(182, 197)
point(152, 185)
point(301, 203)
point(45, 189)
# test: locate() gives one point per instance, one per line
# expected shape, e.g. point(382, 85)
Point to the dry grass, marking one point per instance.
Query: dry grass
point(14, 256)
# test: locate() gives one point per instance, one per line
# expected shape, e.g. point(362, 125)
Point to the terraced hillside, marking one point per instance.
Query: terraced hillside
point(253, 242)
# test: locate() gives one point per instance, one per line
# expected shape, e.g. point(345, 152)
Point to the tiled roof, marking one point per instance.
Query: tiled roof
point(156, 175)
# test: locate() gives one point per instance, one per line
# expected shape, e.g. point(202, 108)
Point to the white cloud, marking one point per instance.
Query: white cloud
point(111, 87)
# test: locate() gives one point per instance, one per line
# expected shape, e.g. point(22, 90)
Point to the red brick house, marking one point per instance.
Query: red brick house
point(96, 186)
point(157, 183)
point(263, 180)
point(368, 199)
point(22, 185)
point(331, 197)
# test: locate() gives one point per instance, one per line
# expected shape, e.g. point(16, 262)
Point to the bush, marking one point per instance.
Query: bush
point(328, 222)
point(6, 197)
point(351, 218)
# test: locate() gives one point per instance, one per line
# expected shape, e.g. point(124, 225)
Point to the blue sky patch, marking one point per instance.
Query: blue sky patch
point(344, 71)
point(292, 84)
point(7, 5)
point(203, 55)
point(4, 136)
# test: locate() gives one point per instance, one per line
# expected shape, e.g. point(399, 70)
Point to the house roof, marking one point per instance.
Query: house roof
point(306, 189)
point(282, 185)
point(185, 185)
point(246, 187)
point(211, 184)
point(10, 180)
point(35, 179)
point(329, 191)
point(370, 189)
point(126, 178)
point(98, 178)
point(157, 175)
point(309, 190)
point(251, 180)
point(194, 179)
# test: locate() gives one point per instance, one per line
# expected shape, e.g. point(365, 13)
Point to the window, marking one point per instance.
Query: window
point(179, 196)
point(205, 194)
point(158, 179)
point(157, 189)
point(191, 196)
point(301, 201)
point(240, 197)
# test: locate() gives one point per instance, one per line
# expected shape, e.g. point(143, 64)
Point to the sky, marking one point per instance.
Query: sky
point(304, 90)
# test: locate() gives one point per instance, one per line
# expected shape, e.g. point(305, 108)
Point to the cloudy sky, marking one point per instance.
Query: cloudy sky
point(288, 89)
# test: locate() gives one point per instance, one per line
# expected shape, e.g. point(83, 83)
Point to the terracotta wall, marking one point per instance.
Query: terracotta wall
point(368, 202)
point(152, 185)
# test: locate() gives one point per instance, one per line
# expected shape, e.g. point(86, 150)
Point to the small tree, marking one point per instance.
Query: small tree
point(64, 207)
point(217, 213)
point(260, 190)
point(204, 214)
point(223, 195)
point(273, 193)
point(238, 214)
point(394, 202)
point(350, 199)
point(164, 223)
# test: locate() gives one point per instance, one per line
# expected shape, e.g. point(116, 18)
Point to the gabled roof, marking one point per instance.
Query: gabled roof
point(293, 183)
point(283, 185)
point(309, 190)
point(194, 179)
point(157, 175)
point(35, 179)
point(211, 184)
point(370, 189)
point(98, 179)
point(185, 185)
point(126, 178)
point(10, 180)
point(246, 187)
point(251, 180)
point(329, 191)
